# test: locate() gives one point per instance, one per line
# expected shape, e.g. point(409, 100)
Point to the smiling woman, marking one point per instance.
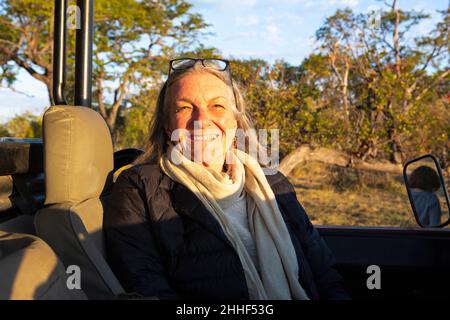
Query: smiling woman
point(201, 99)
point(197, 218)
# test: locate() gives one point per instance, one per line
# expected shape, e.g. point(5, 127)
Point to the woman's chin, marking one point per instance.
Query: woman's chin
point(208, 159)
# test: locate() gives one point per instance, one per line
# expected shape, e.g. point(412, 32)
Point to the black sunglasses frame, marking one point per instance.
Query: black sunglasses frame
point(202, 60)
point(195, 60)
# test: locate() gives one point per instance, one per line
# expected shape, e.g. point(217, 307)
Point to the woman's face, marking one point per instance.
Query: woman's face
point(202, 106)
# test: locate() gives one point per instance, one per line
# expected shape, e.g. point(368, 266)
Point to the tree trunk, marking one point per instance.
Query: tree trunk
point(333, 157)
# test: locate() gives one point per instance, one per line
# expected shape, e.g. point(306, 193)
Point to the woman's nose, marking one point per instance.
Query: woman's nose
point(201, 119)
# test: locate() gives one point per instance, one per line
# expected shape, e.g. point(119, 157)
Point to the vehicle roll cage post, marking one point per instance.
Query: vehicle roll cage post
point(83, 53)
point(59, 53)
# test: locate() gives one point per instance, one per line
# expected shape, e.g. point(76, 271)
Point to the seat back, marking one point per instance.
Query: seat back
point(78, 165)
point(30, 270)
point(21, 183)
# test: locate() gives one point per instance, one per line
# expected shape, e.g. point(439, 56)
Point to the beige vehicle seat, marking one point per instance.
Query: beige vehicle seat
point(30, 270)
point(78, 165)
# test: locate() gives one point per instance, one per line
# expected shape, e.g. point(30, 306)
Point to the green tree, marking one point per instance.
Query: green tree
point(26, 125)
point(132, 131)
point(366, 90)
point(381, 78)
point(271, 93)
point(4, 131)
point(133, 41)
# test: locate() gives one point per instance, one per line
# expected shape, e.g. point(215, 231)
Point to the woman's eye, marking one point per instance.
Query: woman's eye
point(219, 106)
point(181, 108)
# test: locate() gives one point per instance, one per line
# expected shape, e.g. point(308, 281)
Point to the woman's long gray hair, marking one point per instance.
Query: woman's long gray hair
point(157, 142)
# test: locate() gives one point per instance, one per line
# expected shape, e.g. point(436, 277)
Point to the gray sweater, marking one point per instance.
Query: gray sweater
point(237, 213)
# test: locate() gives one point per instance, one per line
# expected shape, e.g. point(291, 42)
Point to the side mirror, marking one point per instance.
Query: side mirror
point(427, 192)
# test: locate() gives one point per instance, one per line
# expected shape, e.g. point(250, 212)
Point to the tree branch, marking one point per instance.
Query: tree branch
point(24, 64)
point(425, 90)
point(101, 104)
point(333, 157)
point(119, 95)
point(17, 91)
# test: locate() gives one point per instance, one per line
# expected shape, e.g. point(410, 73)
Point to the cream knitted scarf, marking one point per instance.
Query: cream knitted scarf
point(278, 276)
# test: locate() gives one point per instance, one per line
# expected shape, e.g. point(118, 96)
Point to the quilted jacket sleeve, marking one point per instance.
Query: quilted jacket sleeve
point(130, 245)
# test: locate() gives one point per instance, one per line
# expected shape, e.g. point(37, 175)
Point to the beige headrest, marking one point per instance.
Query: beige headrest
point(78, 154)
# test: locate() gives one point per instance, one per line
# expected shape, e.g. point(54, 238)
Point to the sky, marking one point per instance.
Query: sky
point(267, 29)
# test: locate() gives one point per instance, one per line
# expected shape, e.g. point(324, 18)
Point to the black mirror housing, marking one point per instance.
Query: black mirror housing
point(427, 191)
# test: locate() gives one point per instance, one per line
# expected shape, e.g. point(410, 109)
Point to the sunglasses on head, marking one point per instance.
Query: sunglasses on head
point(186, 63)
point(215, 64)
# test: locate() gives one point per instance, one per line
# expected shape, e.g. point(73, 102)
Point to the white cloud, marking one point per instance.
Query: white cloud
point(242, 35)
point(13, 103)
point(225, 4)
point(331, 3)
point(287, 18)
point(249, 3)
point(30, 95)
point(319, 3)
point(350, 3)
point(208, 1)
point(272, 33)
point(247, 21)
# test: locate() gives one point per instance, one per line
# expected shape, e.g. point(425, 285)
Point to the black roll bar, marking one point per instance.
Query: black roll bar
point(83, 54)
point(59, 53)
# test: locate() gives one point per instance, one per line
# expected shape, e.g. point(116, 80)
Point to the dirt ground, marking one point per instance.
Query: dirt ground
point(333, 195)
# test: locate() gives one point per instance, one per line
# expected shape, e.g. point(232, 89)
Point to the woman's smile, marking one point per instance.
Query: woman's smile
point(209, 137)
point(204, 137)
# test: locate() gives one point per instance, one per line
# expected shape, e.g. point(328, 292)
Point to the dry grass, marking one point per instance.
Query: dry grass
point(342, 196)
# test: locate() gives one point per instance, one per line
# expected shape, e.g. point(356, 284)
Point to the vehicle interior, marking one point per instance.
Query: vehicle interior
point(53, 192)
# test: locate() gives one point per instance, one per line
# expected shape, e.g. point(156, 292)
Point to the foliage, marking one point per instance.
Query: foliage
point(26, 125)
point(4, 131)
point(133, 42)
point(373, 91)
point(366, 90)
point(385, 85)
point(133, 130)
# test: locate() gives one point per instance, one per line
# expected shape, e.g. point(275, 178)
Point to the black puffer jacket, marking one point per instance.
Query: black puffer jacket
point(161, 241)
